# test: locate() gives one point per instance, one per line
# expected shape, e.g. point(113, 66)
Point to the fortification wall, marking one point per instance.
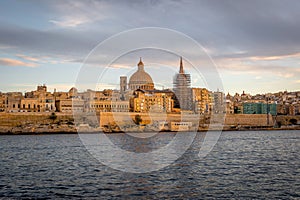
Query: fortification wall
point(249, 120)
point(148, 118)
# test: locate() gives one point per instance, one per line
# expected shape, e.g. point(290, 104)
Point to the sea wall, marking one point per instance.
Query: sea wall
point(230, 119)
point(249, 120)
point(14, 123)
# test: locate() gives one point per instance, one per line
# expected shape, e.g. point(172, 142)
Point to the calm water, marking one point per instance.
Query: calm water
point(242, 165)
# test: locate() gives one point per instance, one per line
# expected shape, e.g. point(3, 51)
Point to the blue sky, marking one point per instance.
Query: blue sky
point(255, 44)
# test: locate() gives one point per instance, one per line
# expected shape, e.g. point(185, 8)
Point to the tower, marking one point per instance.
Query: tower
point(182, 89)
point(123, 86)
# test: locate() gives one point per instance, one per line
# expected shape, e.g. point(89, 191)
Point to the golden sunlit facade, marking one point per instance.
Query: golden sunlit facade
point(151, 101)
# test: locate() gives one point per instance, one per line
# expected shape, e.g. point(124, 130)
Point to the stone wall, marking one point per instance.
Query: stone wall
point(148, 118)
point(248, 120)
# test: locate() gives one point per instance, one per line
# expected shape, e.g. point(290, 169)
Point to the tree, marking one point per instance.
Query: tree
point(293, 121)
point(138, 119)
point(53, 116)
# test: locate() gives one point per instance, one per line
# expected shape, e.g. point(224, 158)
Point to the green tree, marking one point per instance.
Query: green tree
point(53, 116)
point(293, 121)
point(138, 119)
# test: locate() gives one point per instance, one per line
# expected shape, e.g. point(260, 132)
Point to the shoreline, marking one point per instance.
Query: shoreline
point(160, 132)
point(42, 123)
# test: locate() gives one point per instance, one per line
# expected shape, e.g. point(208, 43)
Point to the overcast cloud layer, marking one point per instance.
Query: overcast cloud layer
point(256, 44)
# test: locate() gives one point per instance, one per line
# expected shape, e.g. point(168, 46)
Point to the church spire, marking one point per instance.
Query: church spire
point(181, 66)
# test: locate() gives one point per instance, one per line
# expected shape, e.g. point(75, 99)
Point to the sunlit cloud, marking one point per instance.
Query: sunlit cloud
point(270, 58)
point(117, 66)
point(15, 63)
point(29, 58)
point(75, 13)
point(285, 74)
point(69, 22)
point(239, 66)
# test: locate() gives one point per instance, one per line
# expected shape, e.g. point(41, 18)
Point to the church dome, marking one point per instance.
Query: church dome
point(141, 79)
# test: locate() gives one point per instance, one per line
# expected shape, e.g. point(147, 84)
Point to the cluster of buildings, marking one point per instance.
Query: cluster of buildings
point(280, 103)
point(139, 95)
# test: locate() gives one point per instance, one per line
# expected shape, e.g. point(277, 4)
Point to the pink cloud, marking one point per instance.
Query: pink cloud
point(14, 63)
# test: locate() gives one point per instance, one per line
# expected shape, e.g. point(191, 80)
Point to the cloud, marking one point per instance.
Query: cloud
point(4, 47)
point(12, 62)
point(241, 29)
point(69, 22)
point(75, 13)
point(29, 58)
point(118, 66)
point(52, 43)
point(257, 68)
point(275, 57)
point(260, 38)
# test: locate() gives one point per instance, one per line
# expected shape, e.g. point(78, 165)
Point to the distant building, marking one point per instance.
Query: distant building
point(259, 108)
point(182, 89)
point(229, 104)
point(13, 101)
point(69, 105)
point(30, 105)
point(219, 103)
point(123, 87)
point(202, 101)
point(108, 106)
point(140, 79)
point(152, 101)
point(39, 100)
point(2, 102)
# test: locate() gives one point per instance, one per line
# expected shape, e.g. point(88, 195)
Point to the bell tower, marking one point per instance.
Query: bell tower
point(123, 87)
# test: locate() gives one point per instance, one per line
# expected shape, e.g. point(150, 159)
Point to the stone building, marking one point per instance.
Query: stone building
point(2, 102)
point(39, 100)
point(123, 87)
point(69, 105)
point(219, 102)
point(30, 105)
point(108, 106)
point(140, 79)
point(182, 89)
point(13, 101)
point(201, 100)
point(152, 101)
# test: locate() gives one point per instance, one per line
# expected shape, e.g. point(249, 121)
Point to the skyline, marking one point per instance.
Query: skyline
point(255, 45)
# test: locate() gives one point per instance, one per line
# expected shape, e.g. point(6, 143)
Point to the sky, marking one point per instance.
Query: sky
point(251, 46)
